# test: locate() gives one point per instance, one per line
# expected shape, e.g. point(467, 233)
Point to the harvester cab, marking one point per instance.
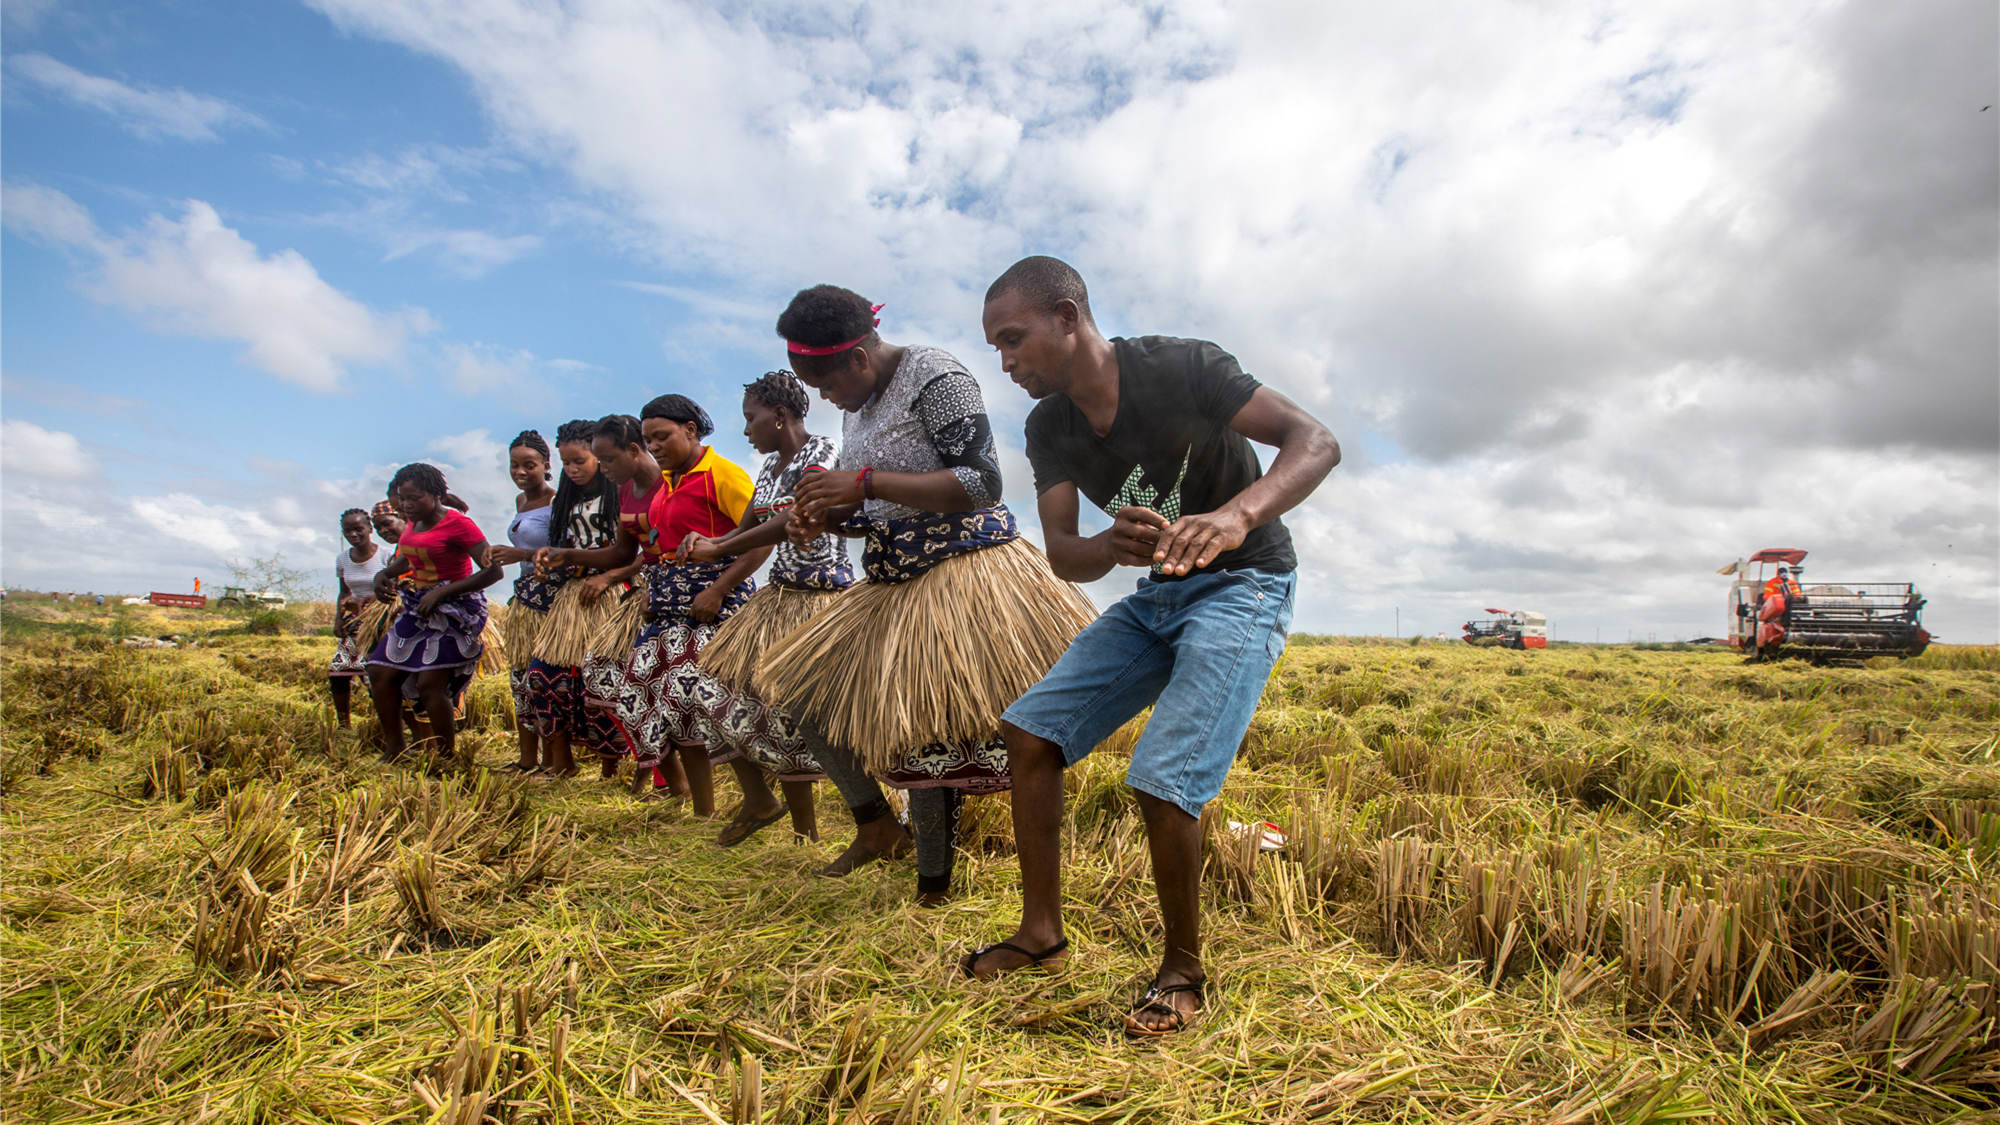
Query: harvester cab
point(1518, 629)
point(1774, 612)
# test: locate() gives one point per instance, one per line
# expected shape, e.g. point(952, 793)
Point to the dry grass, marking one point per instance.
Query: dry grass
point(1572, 886)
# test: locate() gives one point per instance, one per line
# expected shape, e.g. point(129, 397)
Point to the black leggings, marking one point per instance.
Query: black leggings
point(933, 812)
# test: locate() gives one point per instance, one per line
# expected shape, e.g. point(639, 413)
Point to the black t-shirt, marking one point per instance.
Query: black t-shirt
point(1170, 447)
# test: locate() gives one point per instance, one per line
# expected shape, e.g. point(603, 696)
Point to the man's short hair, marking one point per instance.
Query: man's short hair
point(1046, 282)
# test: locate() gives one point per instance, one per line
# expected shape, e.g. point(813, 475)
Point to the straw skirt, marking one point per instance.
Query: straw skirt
point(370, 624)
point(763, 733)
point(913, 676)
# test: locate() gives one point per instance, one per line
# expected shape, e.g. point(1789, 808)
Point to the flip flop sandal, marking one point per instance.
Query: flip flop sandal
point(745, 829)
point(1155, 1000)
point(1034, 959)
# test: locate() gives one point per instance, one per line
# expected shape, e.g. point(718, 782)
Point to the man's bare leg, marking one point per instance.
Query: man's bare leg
point(1037, 768)
point(1174, 838)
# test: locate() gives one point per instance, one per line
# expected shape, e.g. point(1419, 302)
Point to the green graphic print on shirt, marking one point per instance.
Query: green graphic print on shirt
point(1135, 494)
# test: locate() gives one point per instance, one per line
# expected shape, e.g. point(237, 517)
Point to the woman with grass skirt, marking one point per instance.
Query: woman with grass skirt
point(527, 533)
point(904, 676)
point(672, 707)
point(619, 446)
point(583, 516)
point(802, 581)
point(437, 579)
point(354, 569)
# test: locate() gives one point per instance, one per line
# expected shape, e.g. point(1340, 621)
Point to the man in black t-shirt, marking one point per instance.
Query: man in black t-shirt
point(1156, 431)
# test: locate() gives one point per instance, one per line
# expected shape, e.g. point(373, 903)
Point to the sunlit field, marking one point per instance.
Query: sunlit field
point(1586, 884)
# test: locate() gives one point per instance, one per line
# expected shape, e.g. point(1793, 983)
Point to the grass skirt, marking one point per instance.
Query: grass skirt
point(765, 734)
point(913, 675)
point(518, 628)
point(569, 626)
point(371, 623)
point(771, 615)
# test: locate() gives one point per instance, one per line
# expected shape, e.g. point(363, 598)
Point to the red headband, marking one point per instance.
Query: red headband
point(797, 348)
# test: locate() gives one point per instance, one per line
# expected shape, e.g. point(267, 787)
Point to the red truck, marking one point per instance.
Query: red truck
point(179, 601)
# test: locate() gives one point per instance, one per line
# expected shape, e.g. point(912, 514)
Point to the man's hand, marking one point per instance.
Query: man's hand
point(1135, 531)
point(696, 548)
point(818, 492)
point(707, 605)
point(1192, 542)
point(593, 588)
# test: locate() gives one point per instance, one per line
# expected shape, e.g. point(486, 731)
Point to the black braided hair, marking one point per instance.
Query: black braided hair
point(362, 512)
point(570, 494)
point(427, 478)
point(532, 439)
point(780, 390)
point(621, 428)
point(680, 408)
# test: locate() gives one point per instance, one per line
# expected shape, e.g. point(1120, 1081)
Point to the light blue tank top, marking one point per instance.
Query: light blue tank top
point(530, 531)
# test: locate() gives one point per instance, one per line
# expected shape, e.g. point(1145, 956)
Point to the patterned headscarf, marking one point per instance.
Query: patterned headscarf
point(383, 508)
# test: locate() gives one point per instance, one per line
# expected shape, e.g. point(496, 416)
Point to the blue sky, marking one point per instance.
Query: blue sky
point(1570, 285)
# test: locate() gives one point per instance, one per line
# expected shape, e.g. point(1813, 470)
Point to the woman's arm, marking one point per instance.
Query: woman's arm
point(385, 579)
point(608, 557)
point(595, 585)
point(342, 601)
point(708, 604)
point(749, 537)
point(487, 574)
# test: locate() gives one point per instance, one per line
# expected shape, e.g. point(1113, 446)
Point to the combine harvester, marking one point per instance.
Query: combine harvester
point(1776, 614)
point(1516, 629)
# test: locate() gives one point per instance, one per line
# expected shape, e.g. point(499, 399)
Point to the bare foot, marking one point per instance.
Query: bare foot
point(872, 842)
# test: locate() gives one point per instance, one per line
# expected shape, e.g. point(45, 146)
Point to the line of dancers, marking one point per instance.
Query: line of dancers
point(962, 660)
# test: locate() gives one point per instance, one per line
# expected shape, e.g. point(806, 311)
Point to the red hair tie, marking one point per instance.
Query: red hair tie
point(796, 348)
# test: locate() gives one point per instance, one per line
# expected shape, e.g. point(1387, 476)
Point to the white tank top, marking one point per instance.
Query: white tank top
point(359, 577)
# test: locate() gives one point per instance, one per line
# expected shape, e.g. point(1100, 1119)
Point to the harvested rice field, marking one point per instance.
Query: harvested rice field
point(1581, 885)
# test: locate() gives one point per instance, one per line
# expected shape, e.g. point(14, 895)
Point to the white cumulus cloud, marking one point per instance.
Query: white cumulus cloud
point(196, 276)
point(30, 450)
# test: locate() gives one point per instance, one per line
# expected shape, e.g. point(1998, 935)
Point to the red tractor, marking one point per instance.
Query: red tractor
point(1777, 613)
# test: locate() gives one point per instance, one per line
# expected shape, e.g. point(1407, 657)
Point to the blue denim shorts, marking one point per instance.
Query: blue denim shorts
point(1198, 651)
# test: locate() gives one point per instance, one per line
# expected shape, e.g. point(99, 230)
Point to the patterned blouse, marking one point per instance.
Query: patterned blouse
point(930, 416)
point(826, 555)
